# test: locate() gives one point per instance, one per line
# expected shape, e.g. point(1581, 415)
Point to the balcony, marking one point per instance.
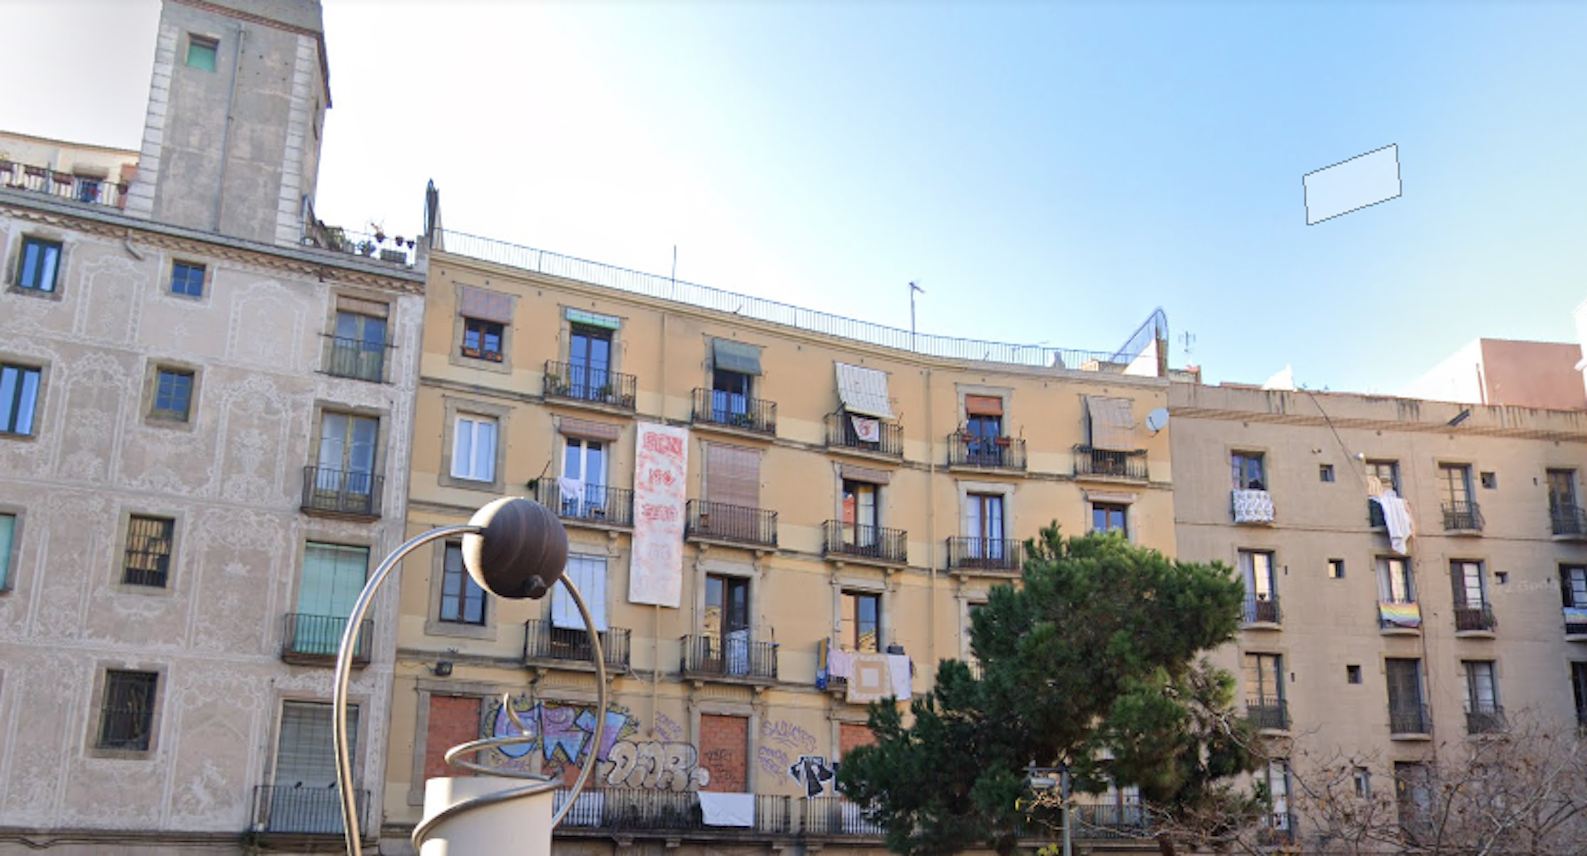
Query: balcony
point(841, 434)
point(1568, 522)
point(341, 492)
point(547, 645)
point(1092, 462)
point(1267, 713)
point(1251, 506)
point(301, 809)
point(986, 453)
point(834, 817)
point(1278, 830)
point(737, 658)
point(63, 185)
point(997, 557)
point(1261, 612)
point(1486, 719)
point(603, 811)
point(1399, 617)
point(313, 640)
point(592, 505)
point(355, 358)
point(1462, 517)
point(1410, 722)
point(725, 409)
point(860, 543)
point(577, 382)
point(1575, 623)
point(731, 524)
point(375, 246)
point(1475, 620)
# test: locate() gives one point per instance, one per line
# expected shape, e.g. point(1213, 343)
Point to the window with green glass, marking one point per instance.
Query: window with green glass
point(201, 52)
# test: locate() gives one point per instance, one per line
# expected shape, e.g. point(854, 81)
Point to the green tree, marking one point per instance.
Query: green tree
point(1097, 650)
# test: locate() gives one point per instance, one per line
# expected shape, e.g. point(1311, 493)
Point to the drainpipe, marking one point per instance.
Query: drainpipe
point(931, 530)
point(225, 131)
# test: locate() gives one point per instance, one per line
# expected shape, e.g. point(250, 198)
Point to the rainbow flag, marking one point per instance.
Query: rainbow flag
point(1575, 615)
point(1400, 614)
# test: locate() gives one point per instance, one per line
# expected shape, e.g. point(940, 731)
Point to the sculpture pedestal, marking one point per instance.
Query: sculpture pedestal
point(521, 826)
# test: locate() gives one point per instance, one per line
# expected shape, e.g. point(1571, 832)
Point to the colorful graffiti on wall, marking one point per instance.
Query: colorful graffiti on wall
point(564, 734)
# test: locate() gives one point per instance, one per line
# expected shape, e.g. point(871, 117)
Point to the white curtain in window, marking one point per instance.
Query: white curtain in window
point(589, 574)
point(474, 449)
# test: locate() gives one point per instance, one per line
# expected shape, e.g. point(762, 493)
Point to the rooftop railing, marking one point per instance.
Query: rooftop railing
point(63, 185)
point(371, 245)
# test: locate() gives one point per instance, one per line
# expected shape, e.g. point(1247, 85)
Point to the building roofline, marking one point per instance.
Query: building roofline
point(33, 138)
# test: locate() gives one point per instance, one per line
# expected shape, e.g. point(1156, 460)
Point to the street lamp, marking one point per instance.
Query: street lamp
point(513, 548)
point(1047, 778)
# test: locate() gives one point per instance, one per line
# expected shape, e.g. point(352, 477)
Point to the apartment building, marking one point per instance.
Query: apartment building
point(1359, 636)
point(205, 405)
point(778, 515)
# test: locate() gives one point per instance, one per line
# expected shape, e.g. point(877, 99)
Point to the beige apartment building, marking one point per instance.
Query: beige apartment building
point(1357, 639)
point(205, 405)
point(777, 515)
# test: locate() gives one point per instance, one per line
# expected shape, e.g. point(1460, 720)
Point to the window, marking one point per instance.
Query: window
point(345, 465)
point(1413, 791)
point(1363, 783)
point(730, 395)
point(984, 523)
point(148, 551)
point(201, 52)
point(303, 796)
point(1248, 471)
point(1109, 517)
point(860, 512)
point(1470, 591)
point(358, 348)
point(983, 426)
point(589, 574)
point(474, 449)
point(333, 577)
point(1352, 674)
point(861, 621)
point(39, 265)
point(1490, 481)
point(1482, 692)
point(1578, 688)
point(1336, 569)
point(583, 482)
point(1395, 583)
point(1406, 714)
point(482, 339)
point(1460, 512)
point(19, 398)
point(1264, 681)
point(1386, 472)
point(589, 362)
point(1561, 492)
point(87, 189)
point(8, 534)
point(173, 394)
point(1325, 472)
point(1275, 780)
point(187, 279)
point(1573, 585)
point(126, 715)
point(462, 600)
point(1261, 593)
point(726, 625)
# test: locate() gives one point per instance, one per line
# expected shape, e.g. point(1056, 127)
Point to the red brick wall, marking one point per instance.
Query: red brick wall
point(851, 735)
point(453, 720)
point(724, 751)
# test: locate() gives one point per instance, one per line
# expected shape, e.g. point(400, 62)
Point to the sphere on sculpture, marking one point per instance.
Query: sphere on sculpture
point(521, 553)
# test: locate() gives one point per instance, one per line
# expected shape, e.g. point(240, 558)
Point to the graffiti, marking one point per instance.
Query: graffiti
point(563, 734)
point(787, 734)
point(664, 766)
point(814, 773)
point(668, 728)
point(773, 761)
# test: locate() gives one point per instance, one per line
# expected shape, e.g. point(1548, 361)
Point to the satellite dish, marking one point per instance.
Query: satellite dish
point(1157, 419)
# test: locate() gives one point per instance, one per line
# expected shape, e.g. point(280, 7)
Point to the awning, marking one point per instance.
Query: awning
point(1112, 424)
point(731, 356)
point(863, 391)
point(485, 305)
point(593, 319)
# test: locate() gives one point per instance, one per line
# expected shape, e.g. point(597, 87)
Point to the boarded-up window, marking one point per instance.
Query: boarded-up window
point(732, 475)
point(724, 752)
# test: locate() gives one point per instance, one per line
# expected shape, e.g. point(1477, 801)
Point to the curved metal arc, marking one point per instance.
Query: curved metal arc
point(344, 667)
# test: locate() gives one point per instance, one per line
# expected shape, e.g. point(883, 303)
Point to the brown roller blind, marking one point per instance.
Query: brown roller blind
point(485, 305)
point(983, 405)
point(587, 429)
point(732, 475)
point(866, 474)
point(360, 306)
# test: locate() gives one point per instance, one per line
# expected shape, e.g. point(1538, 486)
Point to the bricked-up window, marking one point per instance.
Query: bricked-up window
point(39, 265)
point(724, 752)
point(19, 399)
point(148, 551)
point(852, 735)
point(453, 720)
point(126, 716)
point(462, 600)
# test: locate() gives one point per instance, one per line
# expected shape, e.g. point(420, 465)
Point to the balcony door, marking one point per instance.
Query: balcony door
point(1561, 491)
point(984, 522)
point(1405, 695)
point(333, 576)
point(1455, 483)
point(860, 515)
point(1573, 585)
point(590, 362)
point(984, 425)
point(1482, 689)
point(583, 482)
point(360, 345)
point(303, 795)
point(730, 394)
point(1394, 581)
point(1469, 590)
point(726, 622)
point(346, 460)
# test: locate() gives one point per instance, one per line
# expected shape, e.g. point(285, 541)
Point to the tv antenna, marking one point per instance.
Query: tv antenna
point(1187, 339)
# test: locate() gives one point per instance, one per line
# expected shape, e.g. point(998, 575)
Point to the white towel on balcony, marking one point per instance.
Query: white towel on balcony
point(902, 673)
point(1396, 519)
point(718, 809)
point(572, 489)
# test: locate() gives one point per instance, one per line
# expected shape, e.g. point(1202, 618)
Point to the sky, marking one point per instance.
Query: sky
point(1048, 172)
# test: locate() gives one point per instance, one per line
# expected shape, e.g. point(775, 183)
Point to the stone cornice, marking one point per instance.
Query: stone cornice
point(1344, 423)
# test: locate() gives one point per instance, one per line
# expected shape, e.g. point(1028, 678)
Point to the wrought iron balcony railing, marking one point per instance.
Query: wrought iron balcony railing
point(1262, 610)
point(315, 639)
point(734, 655)
point(992, 453)
point(889, 546)
point(580, 382)
point(63, 185)
point(1004, 556)
point(1469, 619)
point(334, 491)
point(1091, 461)
point(355, 358)
point(1462, 517)
point(1267, 713)
point(836, 816)
point(842, 434)
point(546, 643)
point(1486, 719)
point(301, 808)
point(715, 521)
point(589, 503)
point(715, 407)
point(1568, 520)
point(1410, 719)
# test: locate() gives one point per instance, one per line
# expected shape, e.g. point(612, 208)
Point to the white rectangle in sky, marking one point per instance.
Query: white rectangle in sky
point(1356, 183)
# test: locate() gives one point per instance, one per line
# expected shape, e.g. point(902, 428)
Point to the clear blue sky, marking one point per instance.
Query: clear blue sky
point(1049, 172)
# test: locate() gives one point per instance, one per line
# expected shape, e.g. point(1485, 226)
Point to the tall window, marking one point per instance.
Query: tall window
point(984, 427)
point(1264, 678)
point(126, 716)
point(482, 339)
point(984, 520)
point(1466, 576)
point(303, 789)
point(1405, 696)
point(201, 52)
point(1482, 687)
point(462, 600)
point(173, 394)
point(589, 574)
point(8, 533)
point(1413, 791)
point(730, 394)
point(1275, 779)
point(1395, 584)
point(726, 624)
point(1561, 490)
point(40, 264)
point(1578, 688)
point(589, 361)
point(187, 279)
point(583, 483)
point(860, 513)
point(1110, 517)
point(333, 576)
point(474, 448)
point(359, 346)
point(1261, 590)
point(1455, 482)
point(19, 398)
point(346, 460)
point(1573, 585)
point(148, 551)
point(1248, 471)
point(861, 621)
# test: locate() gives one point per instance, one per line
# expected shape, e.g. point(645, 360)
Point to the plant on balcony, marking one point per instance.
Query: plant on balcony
point(1101, 649)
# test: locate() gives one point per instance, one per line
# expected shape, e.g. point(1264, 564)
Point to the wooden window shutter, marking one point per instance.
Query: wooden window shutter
point(732, 475)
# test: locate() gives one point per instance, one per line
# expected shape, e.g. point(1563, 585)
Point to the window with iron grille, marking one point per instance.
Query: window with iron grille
point(148, 551)
point(126, 715)
point(462, 600)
